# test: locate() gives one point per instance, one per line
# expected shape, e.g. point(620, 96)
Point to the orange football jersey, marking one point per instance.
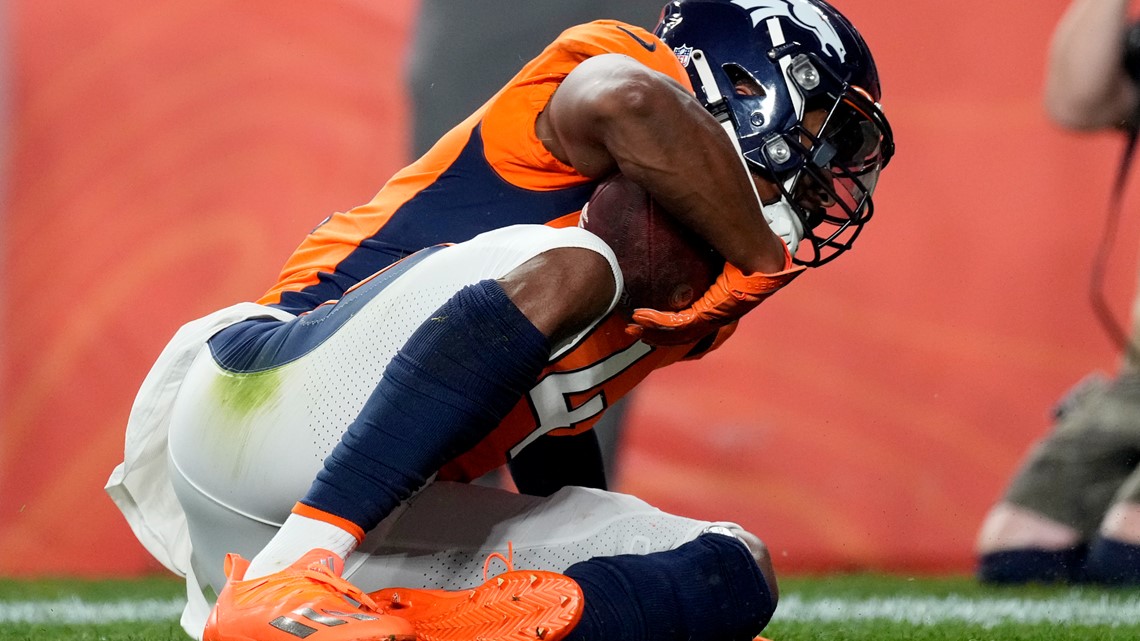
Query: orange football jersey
point(488, 172)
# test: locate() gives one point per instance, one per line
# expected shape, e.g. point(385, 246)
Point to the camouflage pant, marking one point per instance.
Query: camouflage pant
point(1091, 458)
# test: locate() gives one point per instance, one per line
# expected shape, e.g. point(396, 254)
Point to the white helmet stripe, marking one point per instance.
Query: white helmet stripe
point(708, 81)
point(776, 32)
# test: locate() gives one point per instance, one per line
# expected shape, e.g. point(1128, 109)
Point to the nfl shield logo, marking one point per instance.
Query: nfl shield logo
point(683, 53)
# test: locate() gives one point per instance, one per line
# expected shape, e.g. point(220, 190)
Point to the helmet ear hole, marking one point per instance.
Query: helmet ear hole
point(744, 83)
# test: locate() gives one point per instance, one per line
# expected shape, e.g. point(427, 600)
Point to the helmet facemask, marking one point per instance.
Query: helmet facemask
point(827, 164)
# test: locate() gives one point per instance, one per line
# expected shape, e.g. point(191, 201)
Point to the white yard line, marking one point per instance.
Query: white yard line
point(73, 610)
point(1123, 610)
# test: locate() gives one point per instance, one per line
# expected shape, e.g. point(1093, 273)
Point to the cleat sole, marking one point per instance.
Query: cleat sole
point(515, 606)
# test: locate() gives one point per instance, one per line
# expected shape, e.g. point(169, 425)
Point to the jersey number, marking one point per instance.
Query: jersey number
point(550, 399)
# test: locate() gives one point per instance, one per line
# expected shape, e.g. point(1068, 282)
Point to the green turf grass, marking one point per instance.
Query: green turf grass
point(53, 590)
point(832, 608)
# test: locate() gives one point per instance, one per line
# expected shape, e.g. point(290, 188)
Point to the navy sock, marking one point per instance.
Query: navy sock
point(1113, 562)
point(1032, 565)
point(708, 589)
point(450, 385)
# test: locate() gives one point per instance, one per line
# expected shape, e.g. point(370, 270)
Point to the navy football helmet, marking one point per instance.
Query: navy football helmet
point(760, 67)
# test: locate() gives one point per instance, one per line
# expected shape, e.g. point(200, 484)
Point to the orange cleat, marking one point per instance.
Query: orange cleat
point(308, 600)
point(523, 605)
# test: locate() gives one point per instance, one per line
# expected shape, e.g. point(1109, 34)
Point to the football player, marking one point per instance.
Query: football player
point(460, 321)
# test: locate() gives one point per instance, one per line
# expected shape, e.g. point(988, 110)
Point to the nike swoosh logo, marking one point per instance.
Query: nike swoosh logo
point(649, 46)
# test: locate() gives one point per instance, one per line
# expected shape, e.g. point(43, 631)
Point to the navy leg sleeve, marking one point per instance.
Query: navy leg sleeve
point(450, 385)
point(709, 589)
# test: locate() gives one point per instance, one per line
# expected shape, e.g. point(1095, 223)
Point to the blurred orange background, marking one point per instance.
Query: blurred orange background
point(163, 158)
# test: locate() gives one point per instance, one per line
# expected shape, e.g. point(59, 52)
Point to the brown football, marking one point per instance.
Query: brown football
point(665, 266)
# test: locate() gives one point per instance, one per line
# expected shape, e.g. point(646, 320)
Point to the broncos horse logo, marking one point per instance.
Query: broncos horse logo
point(804, 15)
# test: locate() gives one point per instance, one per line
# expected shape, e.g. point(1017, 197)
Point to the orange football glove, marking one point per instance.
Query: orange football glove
point(731, 296)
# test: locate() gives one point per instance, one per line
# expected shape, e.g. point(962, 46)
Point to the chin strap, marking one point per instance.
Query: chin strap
point(780, 216)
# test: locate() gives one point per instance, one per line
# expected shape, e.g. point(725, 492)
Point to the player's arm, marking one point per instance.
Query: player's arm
point(612, 113)
point(1086, 86)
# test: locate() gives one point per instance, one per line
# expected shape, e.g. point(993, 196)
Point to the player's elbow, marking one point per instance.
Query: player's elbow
point(635, 96)
point(632, 91)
